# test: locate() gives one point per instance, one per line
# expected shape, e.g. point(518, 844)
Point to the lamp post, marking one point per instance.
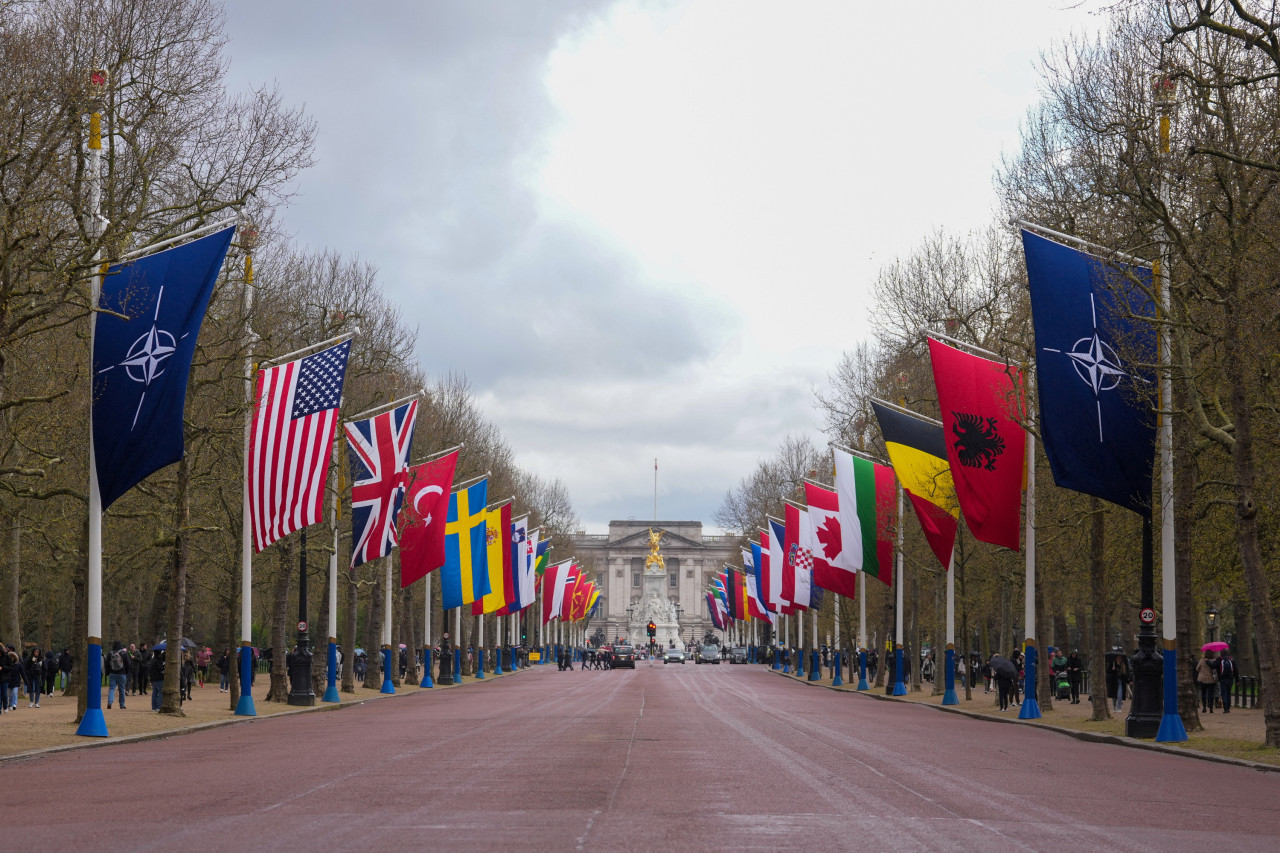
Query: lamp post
point(299, 660)
point(445, 677)
point(1211, 622)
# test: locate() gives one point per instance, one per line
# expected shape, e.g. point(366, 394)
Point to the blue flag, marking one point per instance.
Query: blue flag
point(140, 365)
point(1096, 400)
point(464, 577)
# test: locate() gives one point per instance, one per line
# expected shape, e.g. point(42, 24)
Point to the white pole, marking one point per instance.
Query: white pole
point(245, 706)
point(898, 578)
point(814, 628)
point(862, 611)
point(951, 601)
point(93, 724)
point(427, 621)
point(1029, 613)
point(1168, 603)
point(386, 603)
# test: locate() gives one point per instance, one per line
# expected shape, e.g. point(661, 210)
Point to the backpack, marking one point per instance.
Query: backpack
point(116, 661)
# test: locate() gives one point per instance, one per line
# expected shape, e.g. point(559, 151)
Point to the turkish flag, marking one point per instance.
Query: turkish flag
point(426, 508)
point(981, 401)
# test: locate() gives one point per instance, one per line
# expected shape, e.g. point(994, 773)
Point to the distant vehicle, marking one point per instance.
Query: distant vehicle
point(738, 654)
point(624, 656)
point(673, 656)
point(709, 654)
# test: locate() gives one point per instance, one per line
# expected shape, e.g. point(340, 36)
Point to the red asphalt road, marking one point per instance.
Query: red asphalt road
point(660, 758)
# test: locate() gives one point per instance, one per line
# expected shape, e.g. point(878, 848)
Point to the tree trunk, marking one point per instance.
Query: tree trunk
point(1255, 571)
point(373, 631)
point(279, 691)
point(320, 639)
point(1098, 636)
point(10, 621)
point(1246, 660)
point(233, 644)
point(171, 695)
point(408, 617)
point(349, 648)
point(1044, 681)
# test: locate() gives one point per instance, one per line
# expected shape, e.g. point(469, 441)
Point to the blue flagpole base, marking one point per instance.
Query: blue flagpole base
point(949, 694)
point(245, 707)
point(92, 724)
point(331, 694)
point(331, 662)
point(457, 666)
point(426, 669)
point(387, 686)
point(1171, 729)
point(799, 663)
point(949, 697)
point(899, 689)
point(836, 680)
point(863, 684)
point(815, 669)
point(1030, 705)
point(480, 665)
point(862, 671)
point(776, 660)
point(786, 668)
point(497, 661)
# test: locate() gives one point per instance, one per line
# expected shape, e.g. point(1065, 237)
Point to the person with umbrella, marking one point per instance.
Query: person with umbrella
point(1226, 677)
point(1006, 674)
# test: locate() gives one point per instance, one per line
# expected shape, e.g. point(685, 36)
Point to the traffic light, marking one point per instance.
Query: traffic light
point(653, 630)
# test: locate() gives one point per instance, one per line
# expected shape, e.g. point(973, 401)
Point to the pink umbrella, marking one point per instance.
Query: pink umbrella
point(1215, 646)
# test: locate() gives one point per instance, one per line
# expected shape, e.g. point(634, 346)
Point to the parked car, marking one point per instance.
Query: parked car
point(738, 654)
point(624, 656)
point(673, 656)
point(709, 653)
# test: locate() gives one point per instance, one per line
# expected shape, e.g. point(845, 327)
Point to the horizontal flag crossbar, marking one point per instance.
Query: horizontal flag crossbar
point(905, 411)
point(929, 333)
point(796, 504)
point(859, 453)
point(1094, 248)
point(828, 486)
point(465, 483)
point(382, 408)
point(433, 456)
point(500, 504)
point(345, 336)
point(155, 247)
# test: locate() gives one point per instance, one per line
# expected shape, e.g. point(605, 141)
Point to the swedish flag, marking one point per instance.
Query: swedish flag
point(464, 578)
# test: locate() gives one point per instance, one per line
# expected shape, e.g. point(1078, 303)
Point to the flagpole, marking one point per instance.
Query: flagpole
point(457, 646)
point(331, 658)
point(245, 706)
point(899, 688)
point(862, 632)
point(426, 639)
point(1171, 728)
point(949, 694)
point(800, 643)
point(387, 653)
point(480, 648)
point(155, 247)
point(1102, 252)
point(1030, 703)
point(345, 336)
point(93, 723)
point(815, 671)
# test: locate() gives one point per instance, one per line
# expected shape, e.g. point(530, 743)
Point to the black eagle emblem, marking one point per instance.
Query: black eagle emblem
point(977, 443)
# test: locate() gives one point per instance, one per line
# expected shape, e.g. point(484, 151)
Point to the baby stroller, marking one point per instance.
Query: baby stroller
point(1062, 685)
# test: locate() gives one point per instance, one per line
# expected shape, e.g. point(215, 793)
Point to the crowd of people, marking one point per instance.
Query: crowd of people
point(31, 674)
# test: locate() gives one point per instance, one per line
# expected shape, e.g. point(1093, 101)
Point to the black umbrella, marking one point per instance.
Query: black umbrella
point(1003, 666)
point(186, 644)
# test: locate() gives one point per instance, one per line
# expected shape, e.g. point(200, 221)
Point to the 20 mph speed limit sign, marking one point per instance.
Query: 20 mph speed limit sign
point(1147, 616)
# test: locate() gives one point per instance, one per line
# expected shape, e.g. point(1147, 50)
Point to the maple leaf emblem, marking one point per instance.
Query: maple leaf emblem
point(829, 536)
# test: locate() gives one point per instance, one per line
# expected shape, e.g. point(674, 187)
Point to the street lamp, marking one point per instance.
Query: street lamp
point(1211, 622)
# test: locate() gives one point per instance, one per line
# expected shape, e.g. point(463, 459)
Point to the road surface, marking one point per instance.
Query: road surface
point(660, 758)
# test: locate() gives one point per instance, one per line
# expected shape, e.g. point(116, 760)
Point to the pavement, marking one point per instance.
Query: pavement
point(659, 758)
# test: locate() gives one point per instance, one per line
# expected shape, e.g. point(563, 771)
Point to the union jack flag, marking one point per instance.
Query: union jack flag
point(379, 451)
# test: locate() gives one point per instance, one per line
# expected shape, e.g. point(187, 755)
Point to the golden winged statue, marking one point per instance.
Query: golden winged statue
point(654, 556)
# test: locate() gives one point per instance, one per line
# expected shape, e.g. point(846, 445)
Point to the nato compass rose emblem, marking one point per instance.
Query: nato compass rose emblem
point(1096, 363)
point(144, 362)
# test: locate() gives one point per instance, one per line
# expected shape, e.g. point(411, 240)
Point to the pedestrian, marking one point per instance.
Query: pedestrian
point(142, 681)
point(35, 677)
point(12, 678)
point(50, 672)
point(65, 662)
point(224, 671)
point(1117, 678)
point(186, 676)
point(1074, 670)
point(155, 674)
point(1226, 678)
point(203, 659)
point(986, 676)
point(1004, 676)
point(117, 668)
point(1207, 678)
point(961, 671)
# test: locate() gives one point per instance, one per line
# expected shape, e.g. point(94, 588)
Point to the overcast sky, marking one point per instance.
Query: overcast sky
point(644, 229)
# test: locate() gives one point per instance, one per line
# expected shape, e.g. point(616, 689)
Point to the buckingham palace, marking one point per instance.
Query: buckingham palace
point(617, 562)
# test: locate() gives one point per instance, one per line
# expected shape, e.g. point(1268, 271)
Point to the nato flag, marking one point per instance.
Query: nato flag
point(140, 364)
point(1096, 400)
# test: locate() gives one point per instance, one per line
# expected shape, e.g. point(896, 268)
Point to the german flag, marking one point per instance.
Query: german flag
point(918, 454)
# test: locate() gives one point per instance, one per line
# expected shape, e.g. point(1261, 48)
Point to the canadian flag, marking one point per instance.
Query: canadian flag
point(832, 568)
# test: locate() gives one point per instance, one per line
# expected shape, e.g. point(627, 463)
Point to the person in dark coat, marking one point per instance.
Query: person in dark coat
point(35, 677)
point(1074, 669)
point(155, 674)
point(1226, 678)
point(65, 663)
point(10, 678)
point(142, 682)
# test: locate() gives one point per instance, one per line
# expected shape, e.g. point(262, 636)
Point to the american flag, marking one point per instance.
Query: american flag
point(379, 451)
point(291, 442)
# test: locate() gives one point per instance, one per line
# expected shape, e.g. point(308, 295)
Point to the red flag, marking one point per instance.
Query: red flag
point(824, 513)
point(986, 448)
point(426, 509)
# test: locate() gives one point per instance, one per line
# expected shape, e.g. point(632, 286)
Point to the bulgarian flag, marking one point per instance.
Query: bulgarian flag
point(867, 513)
